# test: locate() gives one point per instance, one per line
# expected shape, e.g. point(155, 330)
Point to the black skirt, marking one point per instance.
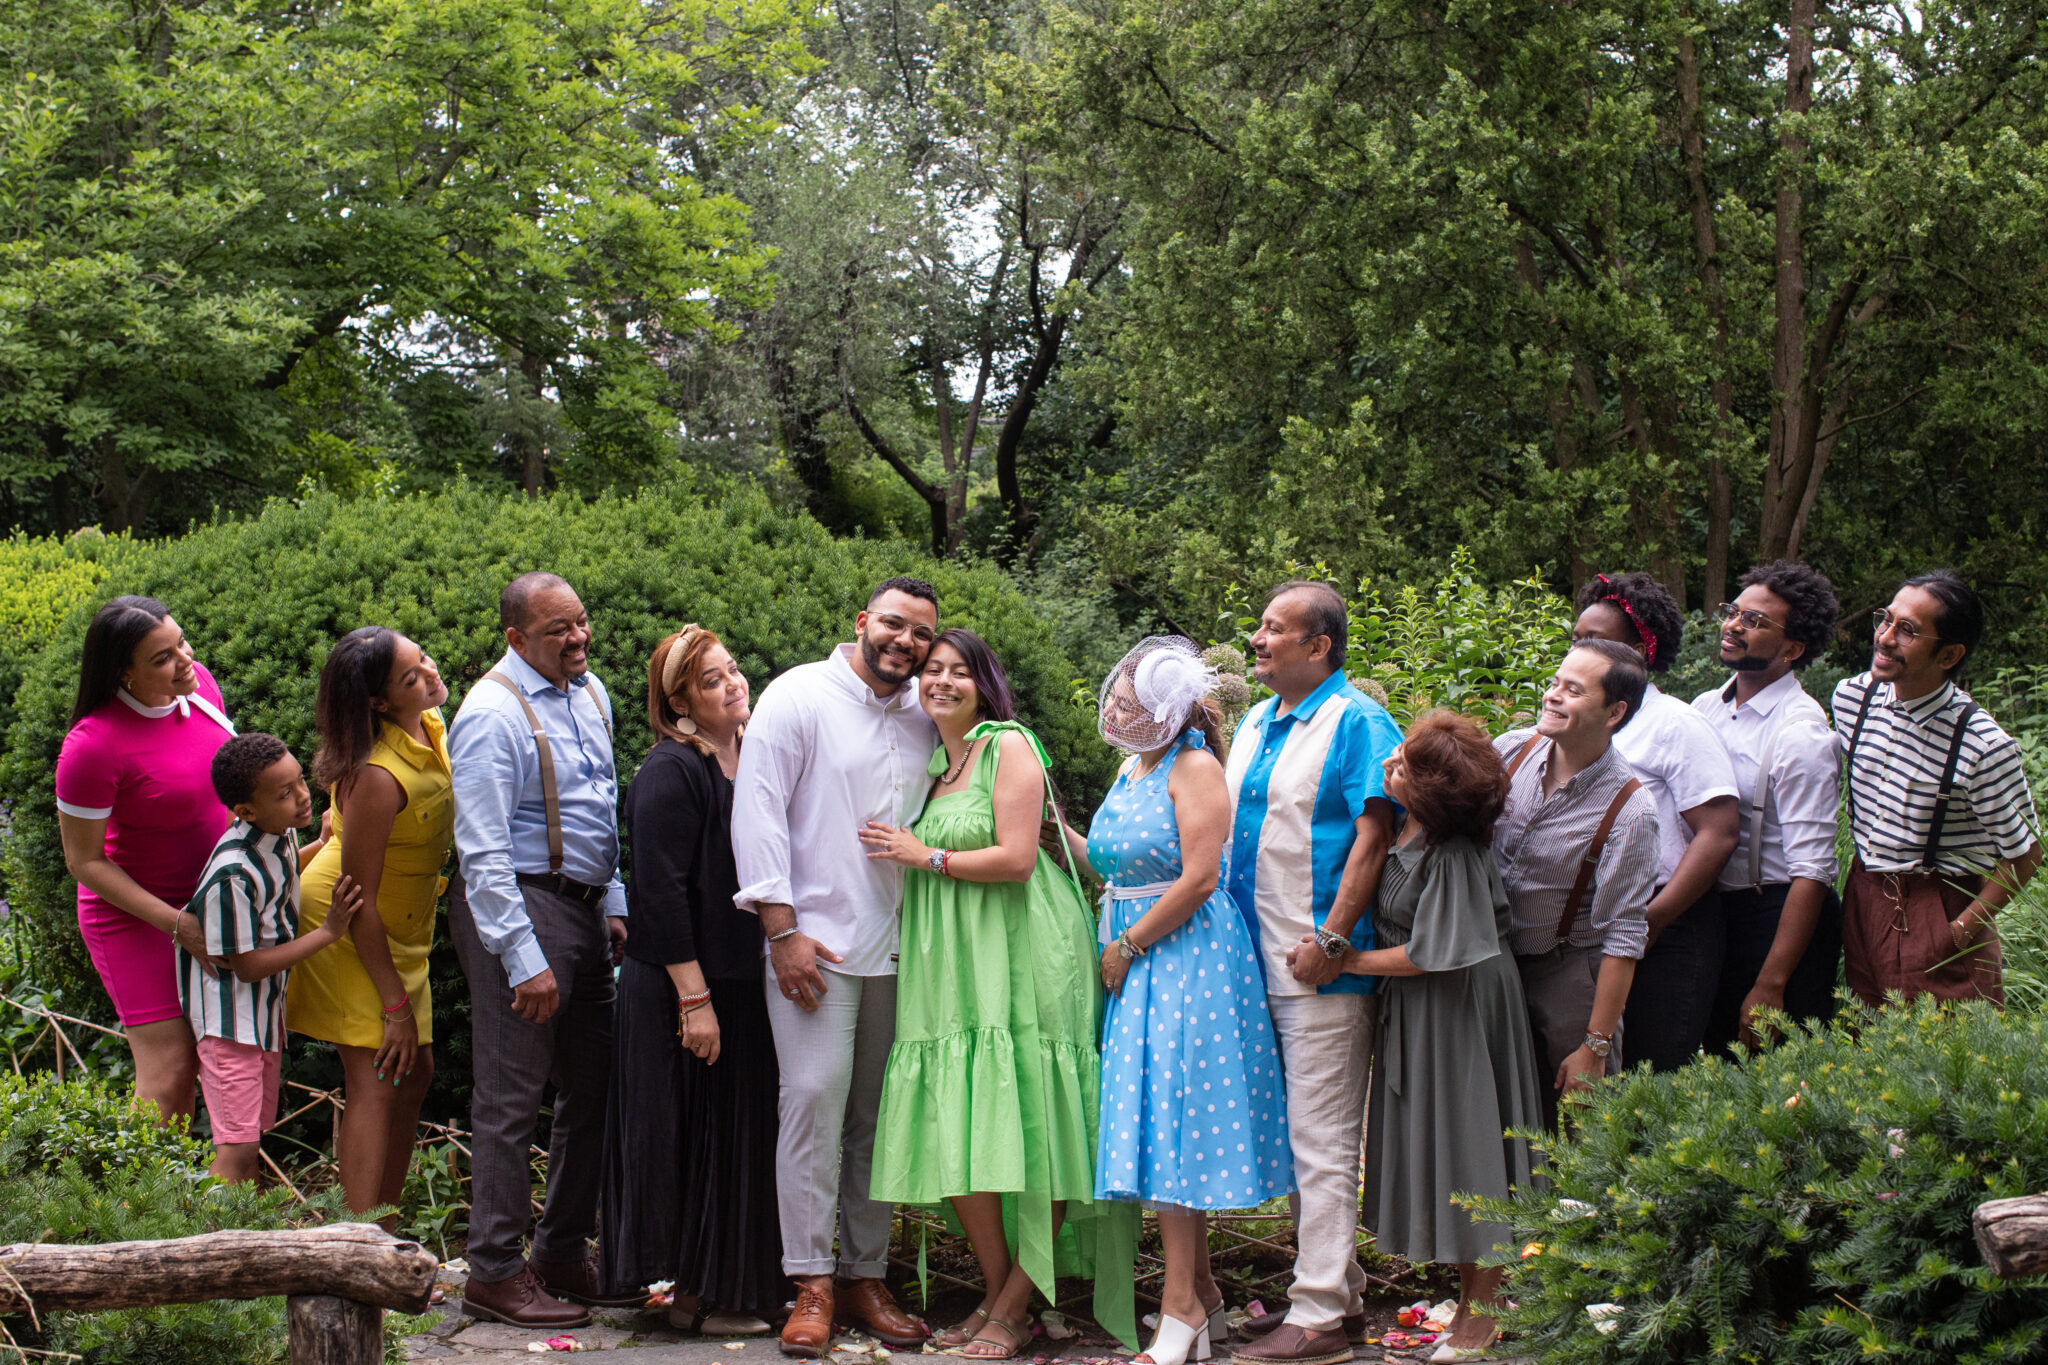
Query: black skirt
point(689, 1155)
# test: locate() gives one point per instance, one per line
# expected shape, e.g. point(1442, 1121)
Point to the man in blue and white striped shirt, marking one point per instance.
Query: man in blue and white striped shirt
point(1939, 809)
point(1309, 838)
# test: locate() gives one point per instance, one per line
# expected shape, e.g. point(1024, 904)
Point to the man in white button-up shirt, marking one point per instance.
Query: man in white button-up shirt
point(1783, 921)
point(833, 745)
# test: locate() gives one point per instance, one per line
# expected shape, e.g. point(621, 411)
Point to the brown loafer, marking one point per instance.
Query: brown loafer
point(868, 1306)
point(1263, 1325)
point(521, 1302)
point(1291, 1345)
point(808, 1332)
point(578, 1282)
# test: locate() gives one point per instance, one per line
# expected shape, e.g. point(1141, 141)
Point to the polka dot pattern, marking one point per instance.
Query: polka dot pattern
point(1193, 1108)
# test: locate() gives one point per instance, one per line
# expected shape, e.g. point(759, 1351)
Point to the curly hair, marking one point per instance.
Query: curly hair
point(1658, 620)
point(1811, 601)
point(239, 762)
point(1457, 784)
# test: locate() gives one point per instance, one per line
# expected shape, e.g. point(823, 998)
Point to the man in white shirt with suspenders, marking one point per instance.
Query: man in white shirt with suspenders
point(538, 916)
point(1783, 921)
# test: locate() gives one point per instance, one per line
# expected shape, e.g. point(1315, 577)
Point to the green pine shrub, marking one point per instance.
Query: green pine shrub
point(78, 1164)
point(263, 599)
point(1810, 1203)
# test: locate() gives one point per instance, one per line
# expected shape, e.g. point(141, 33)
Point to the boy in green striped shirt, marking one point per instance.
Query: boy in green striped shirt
point(247, 906)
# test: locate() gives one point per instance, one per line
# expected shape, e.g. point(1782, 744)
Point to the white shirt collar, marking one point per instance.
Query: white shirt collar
point(180, 704)
point(858, 688)
point(1768, 699)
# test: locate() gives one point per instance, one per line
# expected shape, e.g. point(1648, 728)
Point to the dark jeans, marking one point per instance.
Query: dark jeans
point(512, 1062)
point(1674, 987)
point(1751, 917)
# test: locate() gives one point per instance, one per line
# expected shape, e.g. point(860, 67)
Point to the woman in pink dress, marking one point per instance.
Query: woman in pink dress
point(136, 807)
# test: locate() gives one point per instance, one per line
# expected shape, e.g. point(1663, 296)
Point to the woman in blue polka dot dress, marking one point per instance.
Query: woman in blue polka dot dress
point(1193, 1111)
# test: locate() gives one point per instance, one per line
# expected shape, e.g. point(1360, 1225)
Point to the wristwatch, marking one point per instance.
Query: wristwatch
point(1131, 951)
point(1334, 946)
point(936, 861)
point(1598, 1045)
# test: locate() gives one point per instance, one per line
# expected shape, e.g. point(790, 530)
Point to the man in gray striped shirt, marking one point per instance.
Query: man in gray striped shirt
point(1938, 806)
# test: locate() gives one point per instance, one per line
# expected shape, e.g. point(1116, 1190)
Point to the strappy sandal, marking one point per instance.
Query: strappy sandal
point(1019, 1331)
point(950, 1338)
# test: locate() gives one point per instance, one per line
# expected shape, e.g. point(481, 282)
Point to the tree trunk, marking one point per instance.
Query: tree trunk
point(526, 436)
point(1011, 440)
point(934, 496)
point(1790, 465)
point(124, 501)
point(326, 1330)
point(1706, 250)
point(2012, 1235)
point(358, 1261)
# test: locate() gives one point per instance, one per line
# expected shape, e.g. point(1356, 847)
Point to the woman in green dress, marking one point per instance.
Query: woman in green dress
point(990, 1096)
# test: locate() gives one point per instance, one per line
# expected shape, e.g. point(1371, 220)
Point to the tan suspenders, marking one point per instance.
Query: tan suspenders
point(550, 794)
point(1590, 863)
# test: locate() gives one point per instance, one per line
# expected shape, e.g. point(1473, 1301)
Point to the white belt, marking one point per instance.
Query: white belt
point(1113, 892)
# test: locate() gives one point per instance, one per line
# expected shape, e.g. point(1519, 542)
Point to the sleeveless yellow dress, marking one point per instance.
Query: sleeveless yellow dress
point(330, 995)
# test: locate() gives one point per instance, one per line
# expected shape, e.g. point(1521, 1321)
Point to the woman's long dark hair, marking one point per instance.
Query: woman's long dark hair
point(996, 701)
point(116, 631)
point(357, 671)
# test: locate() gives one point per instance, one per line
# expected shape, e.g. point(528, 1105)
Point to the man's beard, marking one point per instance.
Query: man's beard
point(880, 664)
point(1749, 663)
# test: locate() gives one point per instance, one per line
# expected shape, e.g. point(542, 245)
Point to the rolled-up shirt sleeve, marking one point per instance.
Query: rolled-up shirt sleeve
point(1626, 876)
point(771, 764)
point(487, 759)
point(1805, 795)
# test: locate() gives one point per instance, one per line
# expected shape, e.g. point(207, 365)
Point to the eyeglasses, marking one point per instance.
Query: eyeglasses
point(1902, 629)
point(1747, 618)
point(896, 625)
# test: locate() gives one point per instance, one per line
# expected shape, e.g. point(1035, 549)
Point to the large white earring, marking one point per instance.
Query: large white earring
point(686, 725)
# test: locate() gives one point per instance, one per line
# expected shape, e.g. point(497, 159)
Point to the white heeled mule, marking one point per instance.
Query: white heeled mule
point(1177, 1342)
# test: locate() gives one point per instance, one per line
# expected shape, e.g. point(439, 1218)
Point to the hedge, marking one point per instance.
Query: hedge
point(1807, 1205)
point(264, 598)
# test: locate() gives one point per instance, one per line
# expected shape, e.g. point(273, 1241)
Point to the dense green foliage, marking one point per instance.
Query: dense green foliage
point(78, 1164)
point(197, 199)
point(263, 598)
point(1808, 1204)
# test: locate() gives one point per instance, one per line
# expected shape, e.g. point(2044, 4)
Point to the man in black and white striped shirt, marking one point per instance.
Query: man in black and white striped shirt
point(1938, 806)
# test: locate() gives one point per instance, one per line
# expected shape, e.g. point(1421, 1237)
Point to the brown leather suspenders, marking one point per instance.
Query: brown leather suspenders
point(1589, 864)
point(550, 793)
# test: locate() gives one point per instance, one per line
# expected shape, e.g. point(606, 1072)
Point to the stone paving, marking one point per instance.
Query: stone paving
point(653, 1342)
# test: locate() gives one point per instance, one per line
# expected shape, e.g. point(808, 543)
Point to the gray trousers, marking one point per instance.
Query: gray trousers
point(1559, 986)
point(512, 1061)
point(832, 1061)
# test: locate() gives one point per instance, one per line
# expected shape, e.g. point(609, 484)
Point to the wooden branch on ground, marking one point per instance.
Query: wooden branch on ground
point(357, 1261)
point(2012, 1234)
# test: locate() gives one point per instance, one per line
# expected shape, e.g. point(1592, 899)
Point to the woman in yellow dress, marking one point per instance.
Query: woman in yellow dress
point(384, 761)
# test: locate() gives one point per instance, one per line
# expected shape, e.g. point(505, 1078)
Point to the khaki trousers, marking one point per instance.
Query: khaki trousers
point(1325, 1057)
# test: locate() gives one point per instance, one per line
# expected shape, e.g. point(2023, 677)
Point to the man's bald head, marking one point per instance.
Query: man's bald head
point(515, 604)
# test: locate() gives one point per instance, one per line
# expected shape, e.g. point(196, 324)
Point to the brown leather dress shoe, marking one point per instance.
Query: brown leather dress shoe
point(808, 1332)
point(868, 1305)
point(578, 1281)
point(521, 1302)
point(1291, 1345)
point(1263, 1325)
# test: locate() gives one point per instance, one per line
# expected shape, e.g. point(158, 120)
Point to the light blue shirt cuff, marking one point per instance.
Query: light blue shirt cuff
point(523, 958)
point(615, 900)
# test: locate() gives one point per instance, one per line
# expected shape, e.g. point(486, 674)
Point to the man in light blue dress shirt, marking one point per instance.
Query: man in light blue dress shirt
point(538, 918)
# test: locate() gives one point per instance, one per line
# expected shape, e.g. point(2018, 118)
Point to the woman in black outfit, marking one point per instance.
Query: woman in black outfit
point(689, 1172)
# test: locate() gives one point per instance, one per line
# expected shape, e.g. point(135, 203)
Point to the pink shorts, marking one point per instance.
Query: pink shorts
point(240, 1083)
point(135, 963)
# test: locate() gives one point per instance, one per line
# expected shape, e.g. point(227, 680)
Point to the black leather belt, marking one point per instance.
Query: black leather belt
point(562, 886)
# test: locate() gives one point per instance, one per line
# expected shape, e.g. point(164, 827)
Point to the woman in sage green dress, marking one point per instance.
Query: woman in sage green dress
point(990, 1096)
point(1453, 1068)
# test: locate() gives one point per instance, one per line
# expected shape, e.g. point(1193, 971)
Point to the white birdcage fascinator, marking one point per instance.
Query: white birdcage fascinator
point(1154, 693)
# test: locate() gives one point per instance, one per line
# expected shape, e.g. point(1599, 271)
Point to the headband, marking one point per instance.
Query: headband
point(1649, 640)
point(672, 662)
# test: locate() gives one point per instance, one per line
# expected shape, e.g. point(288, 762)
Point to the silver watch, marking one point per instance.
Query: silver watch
point(1334, 946)
point(936, 861)
point(1597, 1045)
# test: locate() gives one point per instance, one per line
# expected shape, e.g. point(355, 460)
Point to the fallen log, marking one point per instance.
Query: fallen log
point(2012, 1234)
point(356, 1261)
